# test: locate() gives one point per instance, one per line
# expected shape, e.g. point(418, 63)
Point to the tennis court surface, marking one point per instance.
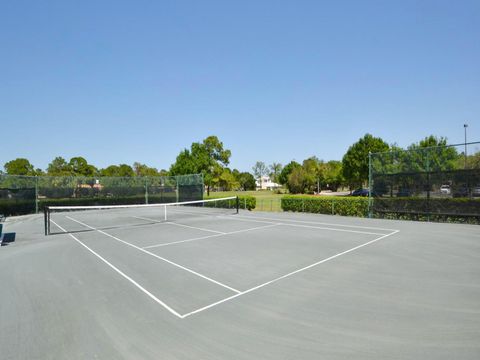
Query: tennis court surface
point(206, 282)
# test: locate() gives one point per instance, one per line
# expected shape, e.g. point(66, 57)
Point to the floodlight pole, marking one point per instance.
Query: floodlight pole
point(465, 127)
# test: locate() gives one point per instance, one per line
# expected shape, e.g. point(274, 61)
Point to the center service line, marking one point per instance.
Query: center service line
point(289, 274)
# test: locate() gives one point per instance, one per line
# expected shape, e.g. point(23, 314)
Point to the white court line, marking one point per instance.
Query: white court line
point(156, 256)
point(210, 236)
point(145, 291)
point(288, 275)
point(315, 222)
point(315, 227)
point(177, 224)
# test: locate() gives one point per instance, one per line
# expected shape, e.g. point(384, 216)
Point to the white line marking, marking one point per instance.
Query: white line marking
point(145, 291)
point(314, 227)
point(178, 224)
point(288, 275)
point(156, 256)
point(316, 223)
point(209, 236)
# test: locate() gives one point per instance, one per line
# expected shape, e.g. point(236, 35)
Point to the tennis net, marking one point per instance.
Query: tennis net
point(83, 218)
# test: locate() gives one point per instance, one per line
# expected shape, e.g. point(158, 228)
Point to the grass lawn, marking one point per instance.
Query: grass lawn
point(266, 200)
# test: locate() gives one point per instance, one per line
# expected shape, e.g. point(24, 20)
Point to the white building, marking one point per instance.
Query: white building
point(265, 183)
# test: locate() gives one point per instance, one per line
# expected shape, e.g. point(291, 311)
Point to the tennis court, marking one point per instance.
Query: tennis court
point(206, 282)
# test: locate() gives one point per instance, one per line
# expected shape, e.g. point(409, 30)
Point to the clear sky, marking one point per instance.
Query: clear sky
point(122, 81)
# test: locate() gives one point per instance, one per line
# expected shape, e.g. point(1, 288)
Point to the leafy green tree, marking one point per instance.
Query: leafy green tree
point(259, 169)
point(59, 167)
point(246, 181)
point(430, 154)
point(122, 170)
point(144, 170)
point(332, 175)
point(275, 170)
point(80, 167)
point(19, 166)
point(298, 180)
point(227, 181)
point(208, 157)
point(286, 171)
point(313, 174)
point(355, 161)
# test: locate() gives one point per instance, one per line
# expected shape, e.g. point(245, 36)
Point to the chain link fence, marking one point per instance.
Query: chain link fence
point(26, 194)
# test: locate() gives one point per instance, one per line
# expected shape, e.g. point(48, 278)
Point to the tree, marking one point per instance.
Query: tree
point(80, 167)
point(59, 167)
point(355, 161)
point(275, 170)
point(313, 174)
point(246, 181)
point(286, 171)
point(430, 154)
point(122, 170)
point(143, 170)
point(298, 180)
point(332, 175)
point(19, 166)
point(259, 169)
point(208, 158)
point(227, 181)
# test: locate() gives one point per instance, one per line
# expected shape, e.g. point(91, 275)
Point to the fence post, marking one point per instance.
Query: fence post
point(146, 190)
point(370, 184)
point(333, 206)
point(36, 194)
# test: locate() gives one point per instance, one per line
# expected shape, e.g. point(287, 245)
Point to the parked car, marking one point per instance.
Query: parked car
point(445, 189)
point(461, 191)
point(363, 192)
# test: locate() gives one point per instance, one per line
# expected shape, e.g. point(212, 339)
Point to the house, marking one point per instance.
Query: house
point(265, 183)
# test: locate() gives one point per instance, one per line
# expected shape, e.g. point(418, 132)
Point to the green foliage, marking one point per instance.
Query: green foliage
point(227, 181)
point(59, 167)
point(355, 161)
point(144, 170)
point(79, 166)
point(246, 202)
point(246, 181)
point(331, 205)
point(275, 170)
point(19, 166)
point(298, 180)
point(208, 158)
point(122, 170)
point(286, 171)
point(333, 175)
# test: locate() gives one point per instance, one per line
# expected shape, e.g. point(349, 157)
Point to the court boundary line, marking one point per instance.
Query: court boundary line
point(315, 222)
point(179, 224)
point(288, 275)
point(238, 293)
point(211, 236)
point(120, 272)
point(157, 256)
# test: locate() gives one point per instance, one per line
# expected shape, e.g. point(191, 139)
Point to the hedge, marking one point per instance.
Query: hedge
point(331, 205)
point(247, 202)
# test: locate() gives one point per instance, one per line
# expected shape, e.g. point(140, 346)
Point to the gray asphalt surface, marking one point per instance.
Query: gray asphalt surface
point(413, 294)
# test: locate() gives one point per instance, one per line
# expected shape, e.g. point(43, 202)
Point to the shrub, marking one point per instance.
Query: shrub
point(331, 205)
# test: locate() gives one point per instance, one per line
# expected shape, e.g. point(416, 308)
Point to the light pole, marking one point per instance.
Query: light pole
point(465, 127)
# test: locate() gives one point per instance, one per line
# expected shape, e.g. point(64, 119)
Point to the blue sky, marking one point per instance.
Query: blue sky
point(124, 81)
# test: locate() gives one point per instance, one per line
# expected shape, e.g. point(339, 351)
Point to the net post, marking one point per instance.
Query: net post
point(46, 219)
point(237, 204)
point(165, 212)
